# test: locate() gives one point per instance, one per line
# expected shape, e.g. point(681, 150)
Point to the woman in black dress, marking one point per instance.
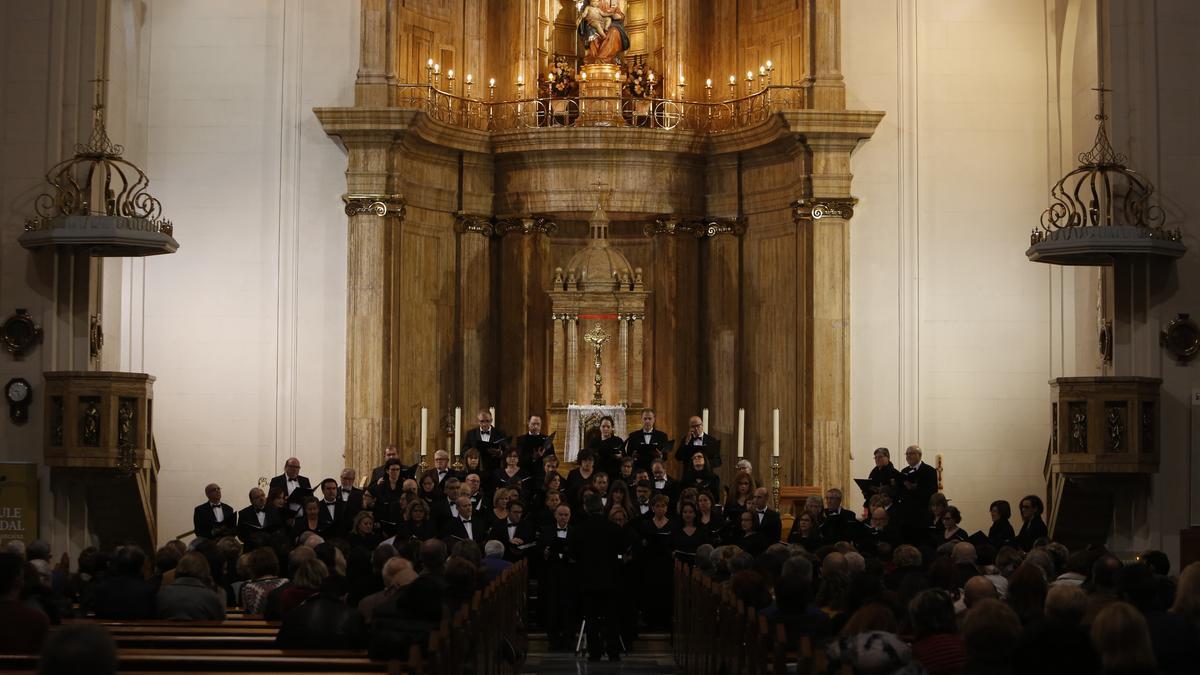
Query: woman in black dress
point(951, 532)
point(417, 523)
point(657, 535)
point(747, 537)
point(700, 476)
point(740, 495)
point(512, 476)
point(309, 520)
point(428, 489)
point(710, 517)
point(619, 497)
point(362, 532)
point(1032, 525)
point(580, 476)
point(608, 449)
point(689, 535)
point(388, 508)
point(804, 532)
point(473, 463)
point(1001, 533)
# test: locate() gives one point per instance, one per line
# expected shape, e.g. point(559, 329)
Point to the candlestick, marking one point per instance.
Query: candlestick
point(732, 87)
point(775, 432)
point(704, 420)
point(770, 69)
point(708, 89)
point(491, 90)
point(424, 429)
point(429, 71)
point(457, 429)
point(682, 86)
point(775, 482)
point(741, 432)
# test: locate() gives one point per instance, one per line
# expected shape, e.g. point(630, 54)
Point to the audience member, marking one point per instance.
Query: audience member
point(192, 597)
point(123, 594)
point(22, 629)
point(79, 648)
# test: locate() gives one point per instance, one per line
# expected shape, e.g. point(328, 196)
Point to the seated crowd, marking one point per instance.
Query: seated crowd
point(903, 589)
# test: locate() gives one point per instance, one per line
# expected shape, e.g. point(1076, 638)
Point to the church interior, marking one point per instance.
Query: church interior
point(236, 233)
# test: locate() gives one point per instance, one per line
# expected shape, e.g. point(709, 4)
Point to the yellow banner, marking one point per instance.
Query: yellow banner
point(18, 501)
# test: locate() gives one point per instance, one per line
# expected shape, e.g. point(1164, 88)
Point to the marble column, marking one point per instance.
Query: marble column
point(557, 367)
point(623, 322)
point(525, 248)
point(828, 88)
point(572, 358)
point(373, 214)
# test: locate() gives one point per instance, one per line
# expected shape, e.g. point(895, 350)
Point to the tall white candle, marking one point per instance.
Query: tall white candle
point(457, 430)
point(741, 432)
point(424, 429)
point(704, 420)
point(492, 412)
point(775, 432)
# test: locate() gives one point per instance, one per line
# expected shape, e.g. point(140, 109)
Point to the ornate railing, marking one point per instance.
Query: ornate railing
point(633, 113)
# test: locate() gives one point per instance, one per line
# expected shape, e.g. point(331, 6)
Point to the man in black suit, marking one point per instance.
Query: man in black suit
point(532, 446)
point(918, 482)
point(597, 544)
point(697, 439)
point(490, 441)
point(441, 464)
point(559, 601)
point(331, 511)
point(840, 524)
point(662, 483)
point(256, 523)
point(766, 520)
point(351, 495)
point(214, 519)
point(646, 444)
point(466, 526)
point(295, 486)
point(881, 533)
point(516, 533)
point(445, 508)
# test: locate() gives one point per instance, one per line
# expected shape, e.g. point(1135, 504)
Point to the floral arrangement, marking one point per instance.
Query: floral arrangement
point(560, 81)
point(640, 81)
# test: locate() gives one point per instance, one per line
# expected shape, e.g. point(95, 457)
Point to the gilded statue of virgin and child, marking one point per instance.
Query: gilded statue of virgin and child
point(602, 29)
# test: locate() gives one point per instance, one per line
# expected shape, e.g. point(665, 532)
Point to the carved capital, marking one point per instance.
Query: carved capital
point(707, 228)
point(816, 209)
point(481, 225)
point(380, 205)
point(531, 225)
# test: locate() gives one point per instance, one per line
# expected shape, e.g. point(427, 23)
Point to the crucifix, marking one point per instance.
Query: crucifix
point(596, 337)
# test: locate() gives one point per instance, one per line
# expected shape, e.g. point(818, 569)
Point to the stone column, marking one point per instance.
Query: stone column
point(374, 213)
point(474, 313)
point(525, 249)
point(371, 85)
point(623, 334)
point(572, 357)
point(557, 368)
point(721, 369)
point(638, 361)
point(827, 89)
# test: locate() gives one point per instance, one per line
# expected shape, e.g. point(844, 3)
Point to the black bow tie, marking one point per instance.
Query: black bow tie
point(562, 529)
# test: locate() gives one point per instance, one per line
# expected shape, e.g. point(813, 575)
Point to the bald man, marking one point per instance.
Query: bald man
point(697, 438)
point(256, 523)
point(295, 486)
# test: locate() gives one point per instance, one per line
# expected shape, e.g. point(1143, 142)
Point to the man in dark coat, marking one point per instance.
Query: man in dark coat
point(697, 439)
point(124, 594)
point(214, 519)
point(490, 441)
point(918, 482)
point(294, 486)
point(597, 544)
point(766, 520)
point(256, 524)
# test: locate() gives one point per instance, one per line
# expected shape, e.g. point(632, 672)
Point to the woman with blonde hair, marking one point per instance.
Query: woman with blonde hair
point(1122, 637)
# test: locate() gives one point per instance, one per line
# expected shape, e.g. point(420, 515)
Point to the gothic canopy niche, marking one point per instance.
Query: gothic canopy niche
point(706, 121)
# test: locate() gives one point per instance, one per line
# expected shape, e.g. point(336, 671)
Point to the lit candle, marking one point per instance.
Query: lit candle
point(682, 81)
point(583, 75)
point(450, 73)
point(708, 83)
point(492, 412)
point(704, 420)
point(762, 70)
point(457, 429)
point(741, 432)
point(769, 64)
point(775, 432)
point(651, 76)
point(732, 79)
point(749, 75)
point(520, 80)
point(424, 429)
point(437, 69)
point(429, 63)
point(550, 77)
point(470, 79)
point(491, 81)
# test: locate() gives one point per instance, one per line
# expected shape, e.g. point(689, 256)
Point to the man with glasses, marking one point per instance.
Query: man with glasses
point(698, 439)
point(379, 473)
point(294, 486)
